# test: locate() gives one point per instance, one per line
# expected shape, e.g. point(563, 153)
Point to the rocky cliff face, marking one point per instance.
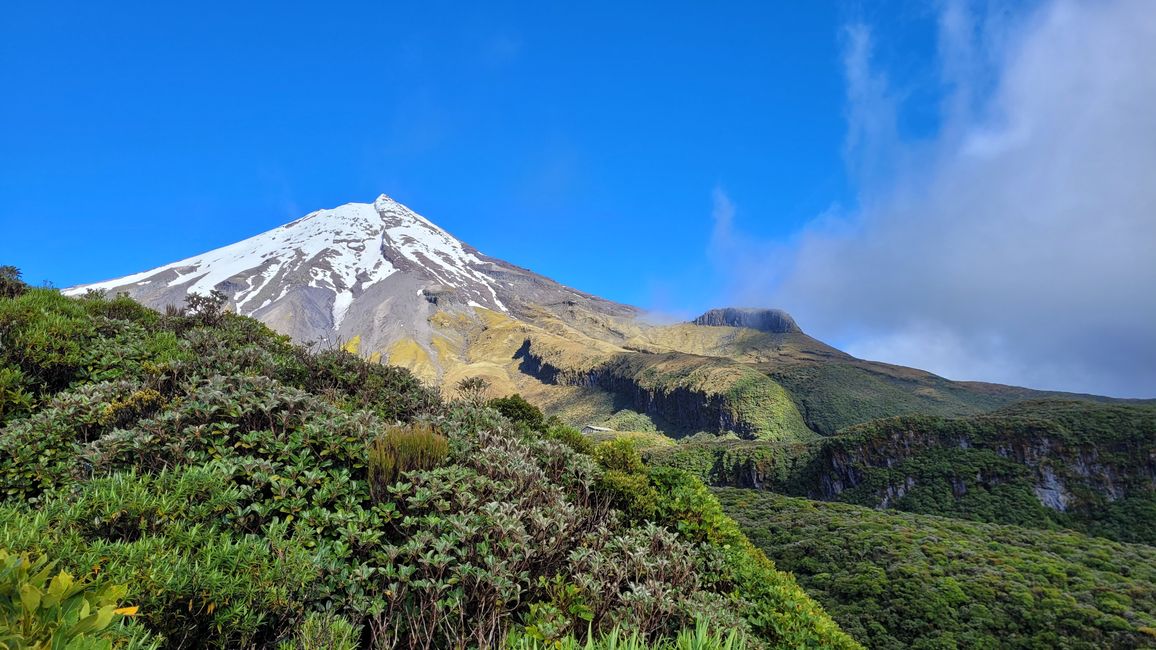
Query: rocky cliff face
point(1087, 466)
point(774, 321)
point(1063, 468)
point(693, 410)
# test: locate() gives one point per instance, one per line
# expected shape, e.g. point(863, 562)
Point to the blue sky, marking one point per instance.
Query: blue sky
point(549, 134)
point(922, 183)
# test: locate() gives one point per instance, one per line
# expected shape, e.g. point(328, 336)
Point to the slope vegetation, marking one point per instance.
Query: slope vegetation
point(898, 580)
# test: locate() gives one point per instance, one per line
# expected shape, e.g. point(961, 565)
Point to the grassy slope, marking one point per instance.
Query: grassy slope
point(746, 399)
point(899, 580)
point(836, 395)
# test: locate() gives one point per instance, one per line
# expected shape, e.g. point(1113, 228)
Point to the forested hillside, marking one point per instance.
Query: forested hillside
point(896, 580)
point(192, 479)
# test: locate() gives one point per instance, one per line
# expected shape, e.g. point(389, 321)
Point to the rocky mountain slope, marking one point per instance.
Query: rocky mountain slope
point(375, 272)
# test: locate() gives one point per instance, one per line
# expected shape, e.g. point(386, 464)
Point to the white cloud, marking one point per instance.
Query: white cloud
point(1019, 245)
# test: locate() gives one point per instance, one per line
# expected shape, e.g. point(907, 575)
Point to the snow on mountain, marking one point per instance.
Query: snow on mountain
point(375, 272)
point(345, 250)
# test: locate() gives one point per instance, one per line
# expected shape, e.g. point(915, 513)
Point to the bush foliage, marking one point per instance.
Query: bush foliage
point(43, 608)
point(255, 494)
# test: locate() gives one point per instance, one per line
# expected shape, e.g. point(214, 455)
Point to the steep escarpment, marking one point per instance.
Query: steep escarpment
point(775, 321)
point(1071, 463)
point(693, 393)
point(1080, 465)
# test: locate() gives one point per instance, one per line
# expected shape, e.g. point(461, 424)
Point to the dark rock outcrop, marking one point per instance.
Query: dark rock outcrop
point(774, 321)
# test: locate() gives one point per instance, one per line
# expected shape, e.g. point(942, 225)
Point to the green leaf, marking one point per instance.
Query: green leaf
point(30, 597)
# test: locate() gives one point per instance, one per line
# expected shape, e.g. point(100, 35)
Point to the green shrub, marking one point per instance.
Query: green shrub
point(403, 449)
point(120, 307)
point(571, 437)
point(46, 335)
point(206, 309)
point(42, 609)
point(620, 454)
point(392, 393)
point(631, 493)
point(518, 410)
point(473, 390)
point(323, 631)
point(11, 284)
point(14, 396)
point(197, 586)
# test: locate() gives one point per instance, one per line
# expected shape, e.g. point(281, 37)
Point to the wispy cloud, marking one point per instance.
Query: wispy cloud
point(1019, 245)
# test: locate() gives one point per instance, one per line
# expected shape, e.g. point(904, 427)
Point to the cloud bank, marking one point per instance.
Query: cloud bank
point(1018, 245)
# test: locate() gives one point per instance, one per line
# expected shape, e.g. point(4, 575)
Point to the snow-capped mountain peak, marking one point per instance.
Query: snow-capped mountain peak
point(372, 270)
point(344, 250)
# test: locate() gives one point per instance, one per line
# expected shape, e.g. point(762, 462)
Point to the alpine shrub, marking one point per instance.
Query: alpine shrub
point(11, 284)
point(519, 411)
point(402, 449)
point(620, 454)
point(323, 631)
point(572, 438)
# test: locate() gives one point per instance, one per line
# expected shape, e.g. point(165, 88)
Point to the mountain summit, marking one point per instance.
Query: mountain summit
point(371, 271)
